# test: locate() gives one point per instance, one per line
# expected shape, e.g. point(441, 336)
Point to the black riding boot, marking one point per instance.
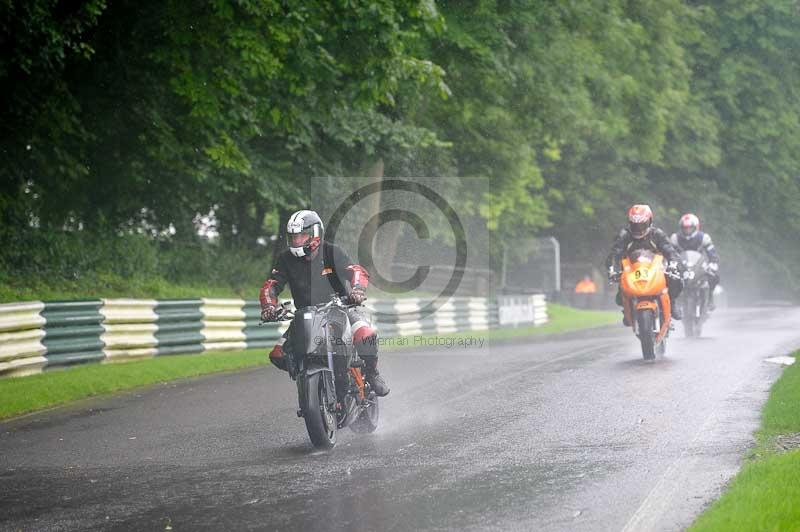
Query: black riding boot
point(374, 378)
point(618, 301)
point(677, 312)
point(675, 289)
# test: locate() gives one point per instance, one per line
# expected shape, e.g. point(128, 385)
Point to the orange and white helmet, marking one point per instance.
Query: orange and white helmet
point(640, 220)
point(690, 224)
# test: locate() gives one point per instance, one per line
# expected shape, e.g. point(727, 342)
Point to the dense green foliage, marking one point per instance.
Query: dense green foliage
point(123, 118)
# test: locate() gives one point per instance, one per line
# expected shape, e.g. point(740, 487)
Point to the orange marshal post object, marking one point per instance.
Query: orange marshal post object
point(585, 286)
point(646, 281)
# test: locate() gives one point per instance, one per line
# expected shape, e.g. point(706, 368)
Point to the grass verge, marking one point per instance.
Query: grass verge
point(109, 285)
point(765, 494)
point(27, 394)
point(101, 285)
point(562, 319)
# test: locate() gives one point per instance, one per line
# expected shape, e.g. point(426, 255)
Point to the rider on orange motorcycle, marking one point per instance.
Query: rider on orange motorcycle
point(640, 234)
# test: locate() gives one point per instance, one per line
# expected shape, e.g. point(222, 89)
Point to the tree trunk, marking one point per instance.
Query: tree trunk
point(383, 250)
point(374, 173)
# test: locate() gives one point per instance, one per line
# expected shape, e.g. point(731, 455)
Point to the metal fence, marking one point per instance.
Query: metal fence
point(37, 335)
point(532, 266)
point(42, 335)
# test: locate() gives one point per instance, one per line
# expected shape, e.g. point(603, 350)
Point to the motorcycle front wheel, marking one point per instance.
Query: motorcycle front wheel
point(698, 327)
point(688, 317)
point(319, 416)
point(646, 322)
point(703, 304)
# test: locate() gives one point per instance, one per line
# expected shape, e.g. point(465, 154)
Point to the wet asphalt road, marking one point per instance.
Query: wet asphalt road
point(570, 433)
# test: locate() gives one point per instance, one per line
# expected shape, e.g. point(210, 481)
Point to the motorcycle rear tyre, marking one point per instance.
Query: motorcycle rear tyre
point(322, 436)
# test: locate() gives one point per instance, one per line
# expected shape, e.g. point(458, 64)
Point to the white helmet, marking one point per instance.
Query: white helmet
point(690, 224)
point(304, 232)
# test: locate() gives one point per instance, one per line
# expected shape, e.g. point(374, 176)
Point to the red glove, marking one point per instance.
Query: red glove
point(357, 295)
point(269, 312)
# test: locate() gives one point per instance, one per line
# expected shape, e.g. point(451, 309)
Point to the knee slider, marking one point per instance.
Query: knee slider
point(277, 358)
point(366, 341)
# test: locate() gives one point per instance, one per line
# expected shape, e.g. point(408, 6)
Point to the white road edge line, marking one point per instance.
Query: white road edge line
point(653, 507)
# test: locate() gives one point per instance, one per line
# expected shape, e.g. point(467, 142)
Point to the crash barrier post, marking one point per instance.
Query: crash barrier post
point(39, 335)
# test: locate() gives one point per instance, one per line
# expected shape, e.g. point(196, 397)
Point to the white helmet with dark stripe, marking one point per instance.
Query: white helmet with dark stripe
point(690, 224)
point(304, 232)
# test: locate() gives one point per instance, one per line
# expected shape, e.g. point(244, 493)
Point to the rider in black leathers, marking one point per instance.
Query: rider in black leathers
point(639, 234)
point(314, 269)
point(691, 238)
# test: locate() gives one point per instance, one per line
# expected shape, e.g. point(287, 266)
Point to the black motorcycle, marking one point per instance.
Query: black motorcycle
point(322, 359)
point(696, 290)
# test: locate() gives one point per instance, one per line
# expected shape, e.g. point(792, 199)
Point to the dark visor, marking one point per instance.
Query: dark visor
point(639, 229)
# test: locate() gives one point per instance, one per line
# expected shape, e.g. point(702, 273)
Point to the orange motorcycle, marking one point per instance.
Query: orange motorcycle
point(645, 300)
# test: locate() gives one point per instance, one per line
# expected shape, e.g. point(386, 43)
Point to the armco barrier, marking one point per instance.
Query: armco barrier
point(223, 324)
point(21, 348)
point(72, 332)
point(402, 317)
point(129, 328)
point(180, 325)
point(36, 335)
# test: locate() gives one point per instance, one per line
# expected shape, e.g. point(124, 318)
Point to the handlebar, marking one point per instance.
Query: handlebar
point(286, 314)
point(336, 301)
point(615, 276)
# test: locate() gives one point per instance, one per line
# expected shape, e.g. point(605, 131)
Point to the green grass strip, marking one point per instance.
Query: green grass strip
point(562, 319)
point(781, 414)
point(765, 494)
point(27, 394)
